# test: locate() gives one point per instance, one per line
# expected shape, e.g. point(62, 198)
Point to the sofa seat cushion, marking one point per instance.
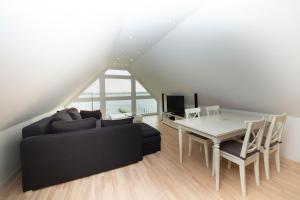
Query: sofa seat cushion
point(234, 148)
point(116, 122)
point(68, 126)
point(148, 131)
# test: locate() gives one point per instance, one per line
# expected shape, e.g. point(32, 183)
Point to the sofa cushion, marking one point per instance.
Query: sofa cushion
point(40, 127)
point(148, 131)
point(67, 126)
point(106, 123)
point(73, 112)
point(61, 116)
point(95, 113)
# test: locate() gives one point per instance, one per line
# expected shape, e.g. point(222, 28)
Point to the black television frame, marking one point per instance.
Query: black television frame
point(176, 109)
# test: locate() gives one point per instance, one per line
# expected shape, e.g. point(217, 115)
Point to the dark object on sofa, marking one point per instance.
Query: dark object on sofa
point(48, 159)
point(86, 114)
point(67, 126)
point(116, 122)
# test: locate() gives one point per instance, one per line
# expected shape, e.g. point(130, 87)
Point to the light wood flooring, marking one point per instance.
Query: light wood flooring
point(161, 176)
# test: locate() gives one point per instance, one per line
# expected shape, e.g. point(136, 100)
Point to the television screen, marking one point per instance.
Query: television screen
point(175, 104)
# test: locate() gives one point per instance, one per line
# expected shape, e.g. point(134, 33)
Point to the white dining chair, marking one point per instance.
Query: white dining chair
point(195, 113)
point(245, 152)
point(212, 110)
point(271, 142)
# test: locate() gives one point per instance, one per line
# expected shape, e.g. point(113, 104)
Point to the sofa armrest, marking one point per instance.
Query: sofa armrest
point(56, 158)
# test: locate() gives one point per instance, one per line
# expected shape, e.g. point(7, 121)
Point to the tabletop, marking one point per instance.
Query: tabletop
point(218, 125)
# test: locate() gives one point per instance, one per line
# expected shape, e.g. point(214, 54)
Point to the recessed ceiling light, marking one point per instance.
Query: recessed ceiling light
point(131, 59)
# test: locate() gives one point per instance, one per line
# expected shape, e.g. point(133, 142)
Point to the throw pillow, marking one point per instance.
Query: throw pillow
point(86, 114)
point(73, 112)
point(67, 126)
point(61, 116)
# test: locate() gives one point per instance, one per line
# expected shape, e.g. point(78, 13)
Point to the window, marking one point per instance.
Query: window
point(93, 91)
point(117, 107)
point(86, 105)
point(140, 90)
point(146, 106)
point(117, 72)
point(116, 95)
point(89, 99)
point(117, 87)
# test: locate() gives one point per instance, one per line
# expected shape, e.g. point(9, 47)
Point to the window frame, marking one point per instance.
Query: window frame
point(103, 98)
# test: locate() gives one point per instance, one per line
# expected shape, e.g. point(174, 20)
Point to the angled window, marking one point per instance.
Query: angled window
point(121, 94)
point(140, 90)
point(117, 72)
point(89, 99)
point(117, 87)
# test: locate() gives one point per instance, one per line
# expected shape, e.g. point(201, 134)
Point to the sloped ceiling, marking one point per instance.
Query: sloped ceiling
point(50, 50)
point(239, 54)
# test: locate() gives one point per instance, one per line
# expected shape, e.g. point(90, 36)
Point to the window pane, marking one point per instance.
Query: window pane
point(117, 107)
point(140, 90)
point(86, 105)
point(117, 87)
point(93, 91)
point(117, 72)
point(145, 106)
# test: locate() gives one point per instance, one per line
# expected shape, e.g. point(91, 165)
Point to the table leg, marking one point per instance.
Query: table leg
point(217, 163)
point(180, 143)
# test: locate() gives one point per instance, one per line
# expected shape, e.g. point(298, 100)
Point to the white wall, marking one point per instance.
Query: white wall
point(10, 140)
point(238, 54)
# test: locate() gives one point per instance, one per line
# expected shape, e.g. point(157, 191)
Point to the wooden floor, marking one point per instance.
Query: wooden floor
point(161, 176)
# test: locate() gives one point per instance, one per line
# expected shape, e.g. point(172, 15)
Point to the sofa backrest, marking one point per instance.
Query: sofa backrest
point(40, 127)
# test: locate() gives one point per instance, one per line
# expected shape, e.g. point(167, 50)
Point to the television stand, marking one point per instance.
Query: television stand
point(168, 118)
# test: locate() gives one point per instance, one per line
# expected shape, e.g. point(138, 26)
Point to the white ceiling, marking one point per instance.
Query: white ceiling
point(51, 50)
point(239, 54)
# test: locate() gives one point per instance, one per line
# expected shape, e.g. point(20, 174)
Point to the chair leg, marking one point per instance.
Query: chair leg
point(256, 170)
point(277, 159)
point(243, 178)
point(206, 155)
point(200, 147)
point(266, 163)
point(190, 145)
point(229, 164)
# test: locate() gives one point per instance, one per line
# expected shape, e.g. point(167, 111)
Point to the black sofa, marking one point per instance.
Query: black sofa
point(49, 158)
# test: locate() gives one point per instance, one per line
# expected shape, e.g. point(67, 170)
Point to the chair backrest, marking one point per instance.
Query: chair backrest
point(212, 110)
point(253, 137)
point(276, 128)
point(192, 113)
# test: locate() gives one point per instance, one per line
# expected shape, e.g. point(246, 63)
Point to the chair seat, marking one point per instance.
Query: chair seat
point(263, 141)
point(199, 136)
point(234, 148)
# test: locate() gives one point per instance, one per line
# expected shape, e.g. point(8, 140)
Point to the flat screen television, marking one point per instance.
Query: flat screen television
point(175, 104)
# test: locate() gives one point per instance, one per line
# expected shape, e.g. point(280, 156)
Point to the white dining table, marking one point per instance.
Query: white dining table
point(217, 128)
